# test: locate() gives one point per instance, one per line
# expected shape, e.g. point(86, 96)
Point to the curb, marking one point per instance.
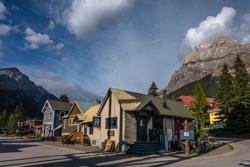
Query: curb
point(234, 149)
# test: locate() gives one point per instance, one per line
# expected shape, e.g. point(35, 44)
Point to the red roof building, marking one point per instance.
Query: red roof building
point(187, 101)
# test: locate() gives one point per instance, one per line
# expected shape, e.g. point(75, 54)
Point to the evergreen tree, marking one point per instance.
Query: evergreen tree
point(153, 89)
point(12, 122)
point(224, 95)
point(239, 115)
point(64, 98)
point(17, 115)
point(3, 119)
point(240, 80)
point(199, 105)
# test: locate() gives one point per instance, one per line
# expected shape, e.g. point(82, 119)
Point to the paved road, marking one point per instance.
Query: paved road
point(18, 153)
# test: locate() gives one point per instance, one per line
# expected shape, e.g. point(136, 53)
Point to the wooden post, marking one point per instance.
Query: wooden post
point(186, 140)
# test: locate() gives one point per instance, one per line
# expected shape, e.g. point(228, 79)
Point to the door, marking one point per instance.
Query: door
point(142, 129)
point(157, 128)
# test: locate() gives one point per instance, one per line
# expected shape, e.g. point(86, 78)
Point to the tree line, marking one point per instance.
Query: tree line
point(233, 97)
point(10, 121)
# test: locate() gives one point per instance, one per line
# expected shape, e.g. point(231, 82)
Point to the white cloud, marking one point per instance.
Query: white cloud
point(51, 25)
point(2, 11)
point(35, 40)
point(5, 29)
point(87, 16)
point(59, 46)
point(222, 24)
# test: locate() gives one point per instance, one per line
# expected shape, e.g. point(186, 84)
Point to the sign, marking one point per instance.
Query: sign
point(96, 122)
point(187, 135)
point(170, 134)
point(111, 133)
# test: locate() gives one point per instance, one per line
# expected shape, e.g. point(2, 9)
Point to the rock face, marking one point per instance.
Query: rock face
point(16, 87)
point(207, 59)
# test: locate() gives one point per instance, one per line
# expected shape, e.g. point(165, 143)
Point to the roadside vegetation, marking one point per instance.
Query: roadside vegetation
point(11, 124)
point(233, 99)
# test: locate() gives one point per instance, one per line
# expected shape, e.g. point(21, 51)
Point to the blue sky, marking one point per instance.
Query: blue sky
point(77, 46)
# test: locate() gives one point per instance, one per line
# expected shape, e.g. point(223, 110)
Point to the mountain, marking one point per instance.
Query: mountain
point(204, 64)
point(16, 87)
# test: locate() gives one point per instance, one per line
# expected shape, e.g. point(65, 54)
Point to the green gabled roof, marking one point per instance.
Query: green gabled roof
point(59, 105)
point(132, 101)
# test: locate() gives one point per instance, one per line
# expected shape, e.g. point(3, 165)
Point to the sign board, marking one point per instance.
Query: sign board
point(170, 134)
point(111, 133)
point(96, 122)
point(187, 135)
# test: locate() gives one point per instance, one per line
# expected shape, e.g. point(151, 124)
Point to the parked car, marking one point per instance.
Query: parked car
point(3, 131)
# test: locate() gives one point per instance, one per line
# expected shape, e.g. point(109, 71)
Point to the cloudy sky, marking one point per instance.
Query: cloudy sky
point(78, 45)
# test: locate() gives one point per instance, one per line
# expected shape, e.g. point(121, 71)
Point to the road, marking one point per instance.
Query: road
point(18, 153)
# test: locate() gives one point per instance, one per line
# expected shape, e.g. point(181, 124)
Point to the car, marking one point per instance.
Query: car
point(3, 131)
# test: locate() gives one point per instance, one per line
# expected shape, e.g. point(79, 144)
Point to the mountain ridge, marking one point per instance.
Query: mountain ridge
point(207, 59)
point(16, 87)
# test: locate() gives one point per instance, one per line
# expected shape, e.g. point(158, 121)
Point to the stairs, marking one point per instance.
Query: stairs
point(145, 148)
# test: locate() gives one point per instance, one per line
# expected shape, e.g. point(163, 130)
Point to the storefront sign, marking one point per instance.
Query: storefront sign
point(187, 135)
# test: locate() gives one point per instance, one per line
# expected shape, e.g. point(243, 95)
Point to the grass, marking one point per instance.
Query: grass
point(7, 135)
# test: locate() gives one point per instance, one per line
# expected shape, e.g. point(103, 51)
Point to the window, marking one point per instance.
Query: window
point(61, 115)
point(65, 123)
point(71, 121)
point(50, 113)
point(91, 129)
point(111, 123)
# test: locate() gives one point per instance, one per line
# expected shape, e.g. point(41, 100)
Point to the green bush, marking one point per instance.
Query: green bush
point(38, 136)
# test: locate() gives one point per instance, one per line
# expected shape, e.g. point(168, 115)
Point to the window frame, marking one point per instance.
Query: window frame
point(108, 123)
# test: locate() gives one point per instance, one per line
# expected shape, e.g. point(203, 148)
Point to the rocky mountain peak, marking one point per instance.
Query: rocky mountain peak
point(14, 73)
point(208, 58)
point(16, 88)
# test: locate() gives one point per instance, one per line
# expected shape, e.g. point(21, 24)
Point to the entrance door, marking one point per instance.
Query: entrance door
point(142, 129)
point(157, 128)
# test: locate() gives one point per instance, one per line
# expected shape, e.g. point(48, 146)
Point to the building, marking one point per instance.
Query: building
point(212, 107)
point(53, 113)
point(129, 117)
point(71, 121)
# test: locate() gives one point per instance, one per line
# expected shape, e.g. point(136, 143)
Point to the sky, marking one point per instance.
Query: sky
point(82, 46)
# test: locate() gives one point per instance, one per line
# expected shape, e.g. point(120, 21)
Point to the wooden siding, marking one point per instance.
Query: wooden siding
point(71, 128)
point(75, 110)
point(130, 128)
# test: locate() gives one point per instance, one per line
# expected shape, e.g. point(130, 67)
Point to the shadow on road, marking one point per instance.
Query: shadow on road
point(245, 163)
point(83, 159)
point(13, 147)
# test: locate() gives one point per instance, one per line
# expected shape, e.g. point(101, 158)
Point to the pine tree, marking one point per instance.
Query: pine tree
point(3, 118)
point(240, 80)
point(64, 98)
point(199, 104)
point(153, 89)
point(238, 119)
point(18, 114)
point(224, 95)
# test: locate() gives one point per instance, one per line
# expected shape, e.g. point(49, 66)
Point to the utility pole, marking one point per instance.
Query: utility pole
point(186, 135)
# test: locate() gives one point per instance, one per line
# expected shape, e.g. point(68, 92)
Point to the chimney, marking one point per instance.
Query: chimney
point(164, 98)
point(98, 101)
